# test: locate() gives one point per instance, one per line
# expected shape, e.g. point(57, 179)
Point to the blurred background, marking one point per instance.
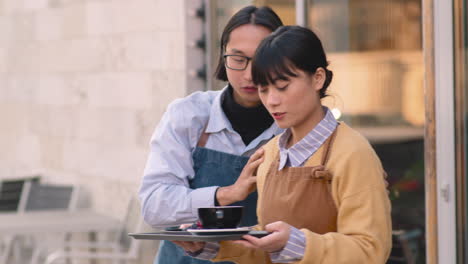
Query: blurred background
point(83, 83)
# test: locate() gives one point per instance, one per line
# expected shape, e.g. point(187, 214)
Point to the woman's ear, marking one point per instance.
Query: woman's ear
point(318, 78)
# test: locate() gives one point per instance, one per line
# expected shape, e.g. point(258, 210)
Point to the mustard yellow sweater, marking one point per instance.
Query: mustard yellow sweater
point(358, 189)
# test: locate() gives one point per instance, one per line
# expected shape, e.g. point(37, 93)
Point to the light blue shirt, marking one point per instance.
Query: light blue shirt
point(165, 194)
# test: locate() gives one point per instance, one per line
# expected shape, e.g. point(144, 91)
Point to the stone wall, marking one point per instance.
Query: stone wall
point(82, 85)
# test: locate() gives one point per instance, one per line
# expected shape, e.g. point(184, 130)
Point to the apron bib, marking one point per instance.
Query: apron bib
point(300, 196)
point(212, 168)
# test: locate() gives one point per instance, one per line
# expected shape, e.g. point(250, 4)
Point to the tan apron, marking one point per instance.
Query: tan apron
point(300, 196)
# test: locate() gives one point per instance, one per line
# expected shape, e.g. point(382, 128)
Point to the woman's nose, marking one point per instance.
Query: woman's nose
point(273, 99)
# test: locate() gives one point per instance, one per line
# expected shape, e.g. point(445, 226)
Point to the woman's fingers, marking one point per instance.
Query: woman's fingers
point(249, 242)
point(272, 242)
point(275, 226)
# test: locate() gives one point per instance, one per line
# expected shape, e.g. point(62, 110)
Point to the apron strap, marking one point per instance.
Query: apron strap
point(203, 139)
point(328, 146)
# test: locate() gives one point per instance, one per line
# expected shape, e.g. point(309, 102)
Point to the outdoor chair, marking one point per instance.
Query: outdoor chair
point(121, 249)
point(40, 197)
point(13, 196)
point(13, 193)
point(52, 197)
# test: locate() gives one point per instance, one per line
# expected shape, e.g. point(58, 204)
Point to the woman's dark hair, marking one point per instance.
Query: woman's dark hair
point(263, 16)
point(286, 49)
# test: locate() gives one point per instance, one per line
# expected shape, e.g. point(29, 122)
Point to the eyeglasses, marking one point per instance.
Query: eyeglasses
point(236, 62)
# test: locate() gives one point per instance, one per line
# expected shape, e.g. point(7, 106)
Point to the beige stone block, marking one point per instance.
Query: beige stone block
point(48, 24)
point(156, 51)
point(129, 90)
point(106, 161)
point(22, 27)
point(53, 121)
point(115, 56)
point(23, 58)
point(145, 124)
point(57, 90)
point(74, 21)
point(8, 143)
point(20, 88)
point(99, 18)
point(106, 126)
point(170, 15)
point(11, 6)
point(51, 152)
point(27, 152)
point(79, 55)
point(15, 122)
point(3, 88)
point(66, 22)
point(167, 86)
point(172, 53)
point(34, 4)
point(3, 61)
point(111, 17)
point(6, 29)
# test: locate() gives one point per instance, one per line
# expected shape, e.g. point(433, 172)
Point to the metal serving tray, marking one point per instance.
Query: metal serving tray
point(187, 236)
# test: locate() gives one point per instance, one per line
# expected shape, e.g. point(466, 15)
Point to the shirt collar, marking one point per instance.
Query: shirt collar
point(218, 120)
point(300, 152)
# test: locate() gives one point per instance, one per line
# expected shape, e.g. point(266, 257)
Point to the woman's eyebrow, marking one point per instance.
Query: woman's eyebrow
point(284, 79)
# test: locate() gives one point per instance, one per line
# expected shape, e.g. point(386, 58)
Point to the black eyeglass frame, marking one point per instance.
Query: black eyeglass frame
point(235, 55)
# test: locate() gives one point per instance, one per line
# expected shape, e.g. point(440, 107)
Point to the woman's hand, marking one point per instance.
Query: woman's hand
point(190, 246)
point(245, 184)
point(276, 241)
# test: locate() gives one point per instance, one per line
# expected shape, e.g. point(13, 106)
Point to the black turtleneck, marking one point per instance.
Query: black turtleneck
point(248, 122)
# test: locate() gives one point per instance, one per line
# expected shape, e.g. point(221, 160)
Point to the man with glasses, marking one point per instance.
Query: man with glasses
point(237, 62)
point(200, 150)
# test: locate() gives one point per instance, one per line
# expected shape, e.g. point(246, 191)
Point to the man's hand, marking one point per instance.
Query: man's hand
point(190, 246)
point(245, 184)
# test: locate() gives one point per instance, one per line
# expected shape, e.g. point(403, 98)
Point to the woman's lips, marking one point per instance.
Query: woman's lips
point(279, 115)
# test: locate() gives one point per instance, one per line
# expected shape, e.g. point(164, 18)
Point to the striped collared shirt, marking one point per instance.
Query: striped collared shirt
point(300, 152)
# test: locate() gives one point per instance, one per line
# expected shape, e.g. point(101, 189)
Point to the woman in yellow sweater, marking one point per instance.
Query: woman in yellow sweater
point(321, 187)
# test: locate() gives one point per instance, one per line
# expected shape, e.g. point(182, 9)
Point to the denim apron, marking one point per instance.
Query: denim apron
point(212, 168)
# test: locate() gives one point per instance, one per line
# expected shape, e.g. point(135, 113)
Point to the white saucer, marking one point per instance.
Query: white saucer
point(221, 231)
